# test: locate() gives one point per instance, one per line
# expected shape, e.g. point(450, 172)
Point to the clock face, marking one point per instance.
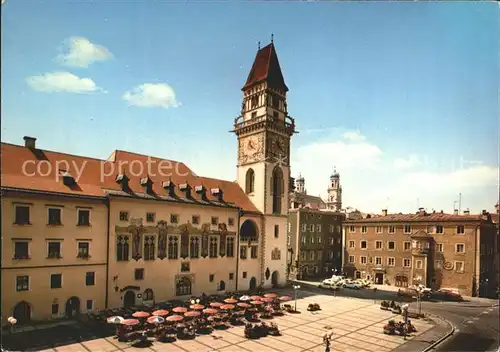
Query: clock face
point(250, 149)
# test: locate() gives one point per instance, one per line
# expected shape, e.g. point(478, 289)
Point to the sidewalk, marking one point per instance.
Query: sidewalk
point(422, 341)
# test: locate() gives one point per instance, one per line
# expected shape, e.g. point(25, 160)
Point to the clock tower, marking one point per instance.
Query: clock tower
point(264, 129)
point(334, 201)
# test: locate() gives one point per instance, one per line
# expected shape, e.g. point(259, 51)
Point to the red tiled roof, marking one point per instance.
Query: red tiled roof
point(428, 217)
point(99, 176)
point(266, 67)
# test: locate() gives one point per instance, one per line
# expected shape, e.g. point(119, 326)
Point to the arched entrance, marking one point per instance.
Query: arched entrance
point(222, 286)
point(249, 231)
point(274, 278)
point(253, 284)
point(72, 307)
point(22, 312)
point(129, 299)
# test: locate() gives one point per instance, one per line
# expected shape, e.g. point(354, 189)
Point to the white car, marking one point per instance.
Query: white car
point(329, 284)
point(353, 285)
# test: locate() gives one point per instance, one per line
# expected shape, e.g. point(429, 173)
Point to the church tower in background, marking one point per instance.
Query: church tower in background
point(334, 201)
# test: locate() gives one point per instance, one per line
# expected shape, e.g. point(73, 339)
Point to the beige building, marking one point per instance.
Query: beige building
point(434, 249)
point(90, 234)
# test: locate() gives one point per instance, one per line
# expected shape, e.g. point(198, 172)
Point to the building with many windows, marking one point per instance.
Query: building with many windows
point(81, 234)
point(434, 249)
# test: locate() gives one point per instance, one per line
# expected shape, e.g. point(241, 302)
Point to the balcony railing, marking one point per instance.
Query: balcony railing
point(420, 251)
point(288, 123)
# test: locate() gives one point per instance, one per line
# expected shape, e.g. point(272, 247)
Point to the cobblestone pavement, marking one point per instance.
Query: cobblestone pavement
point(356, 326)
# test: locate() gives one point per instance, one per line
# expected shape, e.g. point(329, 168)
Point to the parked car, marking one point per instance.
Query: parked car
point(329, 284)
point(364, 282)
point(447, 295)
point(353, 285)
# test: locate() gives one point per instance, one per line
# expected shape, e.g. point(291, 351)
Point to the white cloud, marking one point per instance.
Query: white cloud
point(62, 82)
point(152, 95)
point(373, 179)
point(81, 52)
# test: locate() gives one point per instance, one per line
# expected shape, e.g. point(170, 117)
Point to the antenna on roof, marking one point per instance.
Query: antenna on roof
point(272, 38)
point(258, 45)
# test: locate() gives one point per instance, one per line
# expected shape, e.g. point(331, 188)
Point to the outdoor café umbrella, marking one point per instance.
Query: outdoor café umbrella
point(227, 306)
point(257, 302)
point(155, 320)
point(115, 320)
point(255, 298)
point(141, 315)
point(244, 305)
point(180, 309)
point(197, 306)
point(210, 311)
point(130, 322)
point(230, 300)
point(216, 304)
point(270, 295)
point(175, 318)
point(285, 298)
point(192, 314)
point(245, 298)
point(267, 299)
point(160, 312)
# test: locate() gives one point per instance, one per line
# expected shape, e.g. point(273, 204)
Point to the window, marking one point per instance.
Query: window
point(419, 264)
point(338, 228)
point(83, 250)
point(174, 219)
point(352, 229)
point(391, 261)
point(303, 227)
point(83, 217)
point(392, 229)
point(185, 267)
point(230, 247)
point(214, 220)
point(332, 240)
point(331, 255)
point(148, 295)
point(253, 252)
point(150, 217)
point(244, 274)
point(54, 216)
point(460, 248)
point(351, 244)
point(212, 249)
point(54, 250)
point(363, 229)
point(90, 304)
point(122, 248)
point(439, 229)
point(195, 219)
point(90, 278)
point(438, 264)
point(149, 247)
point(22, 215)
point(363, 260)
point(173, 247)
point(318, 228)
point(319, 255)
point(391, 245)
point(311, 228)
point(378, 229)
point(378, 260)
point(139, 274)
point(320, 240)
point(21, 250)
point(332, 228)
point(303, 255)
point(407, 229)
point(460, 229)
point(363, 245)
point(55, 308)
point(56, 281)
point(230, 222)
point(311, 255)
point(22, 283)
point(459, 267)
point(439, 247)
point(231, 276)
point(194, 247)
point(276, 231)
point(243, 252)
point(407, 245)
point(378, 244)
point(352, 259)
point(406, 262)
point(183, 287)
point(303, 239)
point(124, 216)
point(211, 277)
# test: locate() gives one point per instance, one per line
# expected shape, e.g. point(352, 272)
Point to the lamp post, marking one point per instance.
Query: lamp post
point(295, 288)
point(197, 301)
point(405, 314)
point(12, 322)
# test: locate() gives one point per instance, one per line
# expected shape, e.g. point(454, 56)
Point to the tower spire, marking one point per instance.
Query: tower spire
point(258, 45)
point(272, 38)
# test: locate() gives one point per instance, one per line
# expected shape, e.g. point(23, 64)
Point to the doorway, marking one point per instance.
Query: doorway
point(129, 299)
point(22, 312)
point(357, 275)
point(379, 278)
point(274, 279)
point(72, 307)
point(253, 284)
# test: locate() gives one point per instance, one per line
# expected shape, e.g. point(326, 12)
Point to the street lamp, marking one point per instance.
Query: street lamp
point(295, 288)
point(197, 301)
point(12, 322)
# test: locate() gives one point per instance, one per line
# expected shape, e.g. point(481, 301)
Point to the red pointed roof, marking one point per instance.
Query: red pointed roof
point(266, 67)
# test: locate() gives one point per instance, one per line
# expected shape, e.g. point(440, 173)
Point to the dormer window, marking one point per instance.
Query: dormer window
point(201, 191)
point(147, 184)
point(217, 192)
point(186, 189)
point(68, 179)
point(122, 180)
point(170, 187)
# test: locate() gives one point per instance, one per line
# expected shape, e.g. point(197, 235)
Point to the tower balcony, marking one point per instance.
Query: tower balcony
point(420, 251)
point(286, 126)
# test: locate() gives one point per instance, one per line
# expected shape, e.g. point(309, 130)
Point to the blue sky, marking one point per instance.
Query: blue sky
point(401, 97)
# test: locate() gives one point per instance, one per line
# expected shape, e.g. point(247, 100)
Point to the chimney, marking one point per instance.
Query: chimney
point(455, 211)
point(218, 193)
point(421, 211)
point(30, 142)
point(384, 212)
point(467, 212)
